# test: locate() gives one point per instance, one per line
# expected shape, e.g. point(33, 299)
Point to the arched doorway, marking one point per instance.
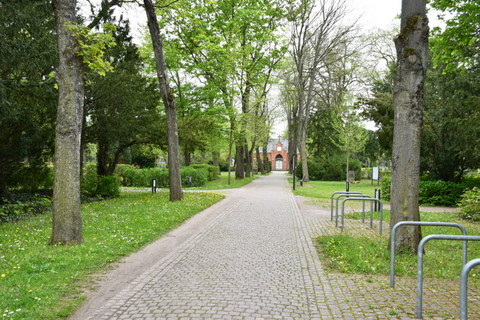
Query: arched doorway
point(279, 162)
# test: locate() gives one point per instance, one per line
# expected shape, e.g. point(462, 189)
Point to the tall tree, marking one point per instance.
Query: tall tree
point(67, 221)
point(77, 47)
point(175, 180)
point(28, 99)
point(411, 45)
point(458, 45)
point(121, 107)
point(316, 32)
point(229, 47)
point(352, 137)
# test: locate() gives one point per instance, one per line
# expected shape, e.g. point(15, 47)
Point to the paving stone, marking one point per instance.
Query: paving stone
point(257, 260)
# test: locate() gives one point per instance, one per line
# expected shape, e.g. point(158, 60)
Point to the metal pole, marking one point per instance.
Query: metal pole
point(346, 194)
point(420, 263)
point(371, 220)
point(421, 223)
point(464, 287)
point(333, 196)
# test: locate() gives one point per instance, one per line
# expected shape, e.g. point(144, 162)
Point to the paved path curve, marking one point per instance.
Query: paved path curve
point(251, 256)
point(254, 261)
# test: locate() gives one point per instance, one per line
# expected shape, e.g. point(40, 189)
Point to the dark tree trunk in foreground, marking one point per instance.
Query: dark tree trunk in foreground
point(239, 161)
point(67, 220)
point(169, 102)
point(412, 46)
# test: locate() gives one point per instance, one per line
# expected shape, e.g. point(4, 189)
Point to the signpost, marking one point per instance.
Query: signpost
point(375, 175)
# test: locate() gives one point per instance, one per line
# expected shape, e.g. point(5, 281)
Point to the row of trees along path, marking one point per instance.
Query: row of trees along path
point(411, 47)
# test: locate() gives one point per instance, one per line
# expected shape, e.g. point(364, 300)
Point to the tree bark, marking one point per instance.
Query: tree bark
point(169, 102)
point(412, 46)
point(215, 156)
point(260, 164)
point(67, 220)
point(239, 160)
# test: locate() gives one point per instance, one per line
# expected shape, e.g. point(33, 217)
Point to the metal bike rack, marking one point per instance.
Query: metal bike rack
point(464, 287)
point(420, 223)
point(371, 212)
point(420, 263)
point(361, 195)
point(339, 192)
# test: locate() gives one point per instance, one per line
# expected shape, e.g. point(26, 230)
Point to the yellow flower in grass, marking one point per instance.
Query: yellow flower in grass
point(3, 275)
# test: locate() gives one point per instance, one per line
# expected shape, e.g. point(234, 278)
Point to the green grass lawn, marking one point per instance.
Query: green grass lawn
point(321, 191)
point(370, 255)
point(39, 281)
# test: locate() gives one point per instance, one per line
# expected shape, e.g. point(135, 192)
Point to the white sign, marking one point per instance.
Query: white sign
point(375, 173)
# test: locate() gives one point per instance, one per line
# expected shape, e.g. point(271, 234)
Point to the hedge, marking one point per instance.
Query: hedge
point(213, 172)
point(470, 205)
point(435, 193)
point(133, 177)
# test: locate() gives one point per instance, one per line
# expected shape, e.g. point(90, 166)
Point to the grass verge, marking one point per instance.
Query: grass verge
point(370, 255)
point(39, 281)
point(322, 191)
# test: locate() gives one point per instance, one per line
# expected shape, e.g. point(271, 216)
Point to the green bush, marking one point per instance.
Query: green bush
point(22, 205)
point(213, 172)
point(385, 182)
point(159, 174)
point(435, 193)
point(471, 181)
point(124, 171)
point(470, 205)
point(88, 186)
point(441, 193)
point(330, 168)
point(108, 187)
point(199, 176)
point(133, 177)
point(93, 186)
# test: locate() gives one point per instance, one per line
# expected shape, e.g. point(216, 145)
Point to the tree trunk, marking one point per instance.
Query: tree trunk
point(260, 164)
point(187, 157)
point(411, 45)
point(215, 156)
point(169, 102)
point(266, 164)
point(102, 158)
point(67, 219)
point(239, 163)
point(248, 160)
point(302, 148)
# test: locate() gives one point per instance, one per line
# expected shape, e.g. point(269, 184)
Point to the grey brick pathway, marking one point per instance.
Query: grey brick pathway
point(254, 261)
point(257, 261)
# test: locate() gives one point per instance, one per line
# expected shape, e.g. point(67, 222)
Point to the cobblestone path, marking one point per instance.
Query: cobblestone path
point(256, 260)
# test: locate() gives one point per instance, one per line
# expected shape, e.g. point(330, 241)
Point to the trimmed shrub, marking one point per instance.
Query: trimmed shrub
point(470, 205)
point(147, 175)
point(435, 193)
point(88, 186)
point(108, 187)
point(441, 193)
point(94, 186)
point(133, 177)
point(385, 182)
point(213, 172)
point(330, 168)
point(199, 176)
point(125, 172)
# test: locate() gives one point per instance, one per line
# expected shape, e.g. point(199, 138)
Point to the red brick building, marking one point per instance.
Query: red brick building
point(277, 154)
